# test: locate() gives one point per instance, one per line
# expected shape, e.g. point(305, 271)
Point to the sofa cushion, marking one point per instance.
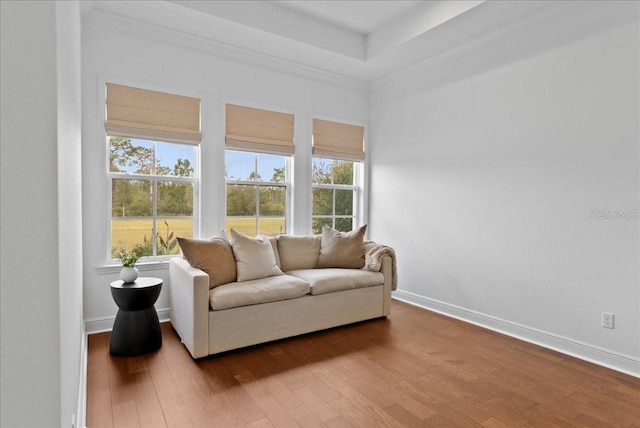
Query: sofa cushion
point(271, 289)
point(214, 256)
point(342, 249)
point(254, 257)
point(298, 252)
point(329, 280)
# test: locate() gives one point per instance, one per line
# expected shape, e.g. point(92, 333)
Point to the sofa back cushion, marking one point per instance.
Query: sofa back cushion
point(255, 257)
point(342, 249)
point(213, 256)
point(298, 252)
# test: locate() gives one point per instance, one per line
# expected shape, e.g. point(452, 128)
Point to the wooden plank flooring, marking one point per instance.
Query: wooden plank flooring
point(413, 369)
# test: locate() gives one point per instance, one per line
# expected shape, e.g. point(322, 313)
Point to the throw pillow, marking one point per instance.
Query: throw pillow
point(213, 256)
point(254, 257)
point(342, 249)
point(298, 252)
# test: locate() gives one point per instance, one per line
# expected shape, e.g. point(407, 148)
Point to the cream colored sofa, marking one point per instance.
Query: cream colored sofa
point(301, 300)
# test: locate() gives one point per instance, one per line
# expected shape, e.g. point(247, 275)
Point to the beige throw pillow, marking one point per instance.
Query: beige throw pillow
point(342, 249)
point(254, 257)
point(213, 256)
point(298, 252)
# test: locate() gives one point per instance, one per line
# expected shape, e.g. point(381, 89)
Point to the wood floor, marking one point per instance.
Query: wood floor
point(413, 369)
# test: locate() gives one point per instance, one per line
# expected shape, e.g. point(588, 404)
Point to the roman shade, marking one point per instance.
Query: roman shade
point(256, 130)
point(340, 141)
point(140, 113)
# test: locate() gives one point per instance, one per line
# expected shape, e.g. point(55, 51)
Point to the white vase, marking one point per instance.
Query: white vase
point(128, 274)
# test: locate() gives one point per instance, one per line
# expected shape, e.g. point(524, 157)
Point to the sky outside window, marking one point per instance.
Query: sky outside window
point(167, 154)
point(240, 165)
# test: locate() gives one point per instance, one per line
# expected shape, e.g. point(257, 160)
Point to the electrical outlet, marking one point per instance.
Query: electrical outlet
point(607, 320)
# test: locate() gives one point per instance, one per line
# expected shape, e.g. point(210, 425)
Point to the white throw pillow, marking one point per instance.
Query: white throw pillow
point(254, 257)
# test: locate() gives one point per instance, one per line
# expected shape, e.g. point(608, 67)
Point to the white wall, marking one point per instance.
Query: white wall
point(115, 49)
point(42, 329)
point(486, 168)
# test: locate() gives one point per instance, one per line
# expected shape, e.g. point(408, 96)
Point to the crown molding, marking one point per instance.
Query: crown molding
point(169, 36)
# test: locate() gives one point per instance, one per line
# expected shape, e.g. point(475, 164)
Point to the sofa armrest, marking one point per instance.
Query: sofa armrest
point(189, 305)
point(386, 269)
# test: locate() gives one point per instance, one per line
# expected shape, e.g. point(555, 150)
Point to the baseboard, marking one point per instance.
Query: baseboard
point(620, 362)
point(100, 325)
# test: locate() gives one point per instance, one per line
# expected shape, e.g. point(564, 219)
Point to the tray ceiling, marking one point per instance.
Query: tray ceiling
point(365, 40)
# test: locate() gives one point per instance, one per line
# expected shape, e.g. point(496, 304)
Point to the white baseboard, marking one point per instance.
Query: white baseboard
point(620, 362)
point(100, 325)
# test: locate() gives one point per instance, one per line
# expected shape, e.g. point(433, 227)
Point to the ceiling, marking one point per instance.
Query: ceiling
point(358, 16)
point(361, 39)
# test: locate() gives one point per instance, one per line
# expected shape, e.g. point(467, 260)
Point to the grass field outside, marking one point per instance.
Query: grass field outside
point(247, 226)
point(128, 232)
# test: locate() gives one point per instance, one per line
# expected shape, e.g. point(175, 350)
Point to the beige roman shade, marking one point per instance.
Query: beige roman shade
point(340, 141)
point(255, 130)
point(335, 140)
point(140, 113)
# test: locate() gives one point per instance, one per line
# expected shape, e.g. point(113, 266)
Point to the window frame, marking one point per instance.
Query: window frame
point(286, 184)
point(154, 179)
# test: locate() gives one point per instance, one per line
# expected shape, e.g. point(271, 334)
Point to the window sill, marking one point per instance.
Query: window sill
point(142, 267)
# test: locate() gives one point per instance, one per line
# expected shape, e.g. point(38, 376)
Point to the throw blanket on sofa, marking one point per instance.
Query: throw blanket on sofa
point(373, 253)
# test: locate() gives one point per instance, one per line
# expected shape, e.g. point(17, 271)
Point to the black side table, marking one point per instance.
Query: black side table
point(136, 329)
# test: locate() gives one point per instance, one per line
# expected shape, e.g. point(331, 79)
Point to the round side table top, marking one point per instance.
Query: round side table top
point(141, 282)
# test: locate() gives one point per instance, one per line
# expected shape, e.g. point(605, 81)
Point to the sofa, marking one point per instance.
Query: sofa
point(229, 294)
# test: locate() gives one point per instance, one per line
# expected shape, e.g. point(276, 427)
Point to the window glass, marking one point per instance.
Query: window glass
point(343, 202)
point(272, 200)
point(130, 155)
point(344, 224)
point(241, 200)
point(272, 226)
point(318, 222)
point(175, 159)
point(127, 233)
point(321, 173)
point(167, 230)
point(334, 191)
point(240, 165)
point(152, 195)
point(256, 193)
point(342, 172)
point(175, 199)
point(322, 202)
point(271, 168)
point(246, 226)
point(131, 198)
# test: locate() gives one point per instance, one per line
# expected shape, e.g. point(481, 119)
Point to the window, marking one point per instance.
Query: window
point(338, 152)
point(259, 148)
point(335, 194)
point(152, 194)
point(152, 146)
point(256, 193)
